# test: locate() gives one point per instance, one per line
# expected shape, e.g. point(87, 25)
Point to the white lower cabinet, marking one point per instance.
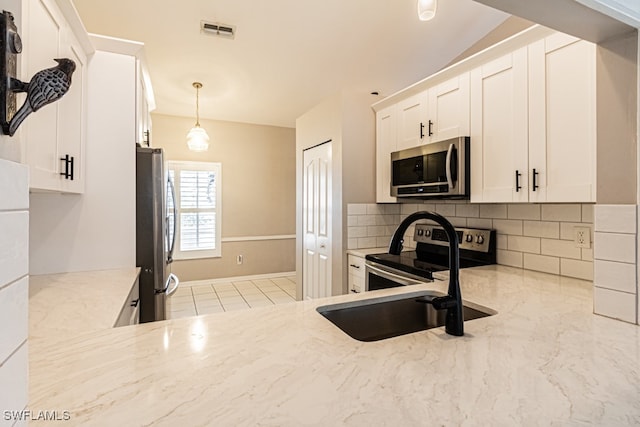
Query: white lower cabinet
point(130, 313)
point(533, 124)
point(356, 274)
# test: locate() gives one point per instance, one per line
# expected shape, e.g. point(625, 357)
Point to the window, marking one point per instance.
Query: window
point(198, 216)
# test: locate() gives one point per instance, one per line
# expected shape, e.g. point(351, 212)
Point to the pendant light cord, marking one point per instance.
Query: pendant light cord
point(197, 85)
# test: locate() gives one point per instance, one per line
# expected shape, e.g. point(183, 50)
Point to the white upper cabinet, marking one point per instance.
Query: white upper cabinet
point(412, 117)
point(533, 124)
point(438, 113)
point(386, 136)
point(529, 105)
point(448, 109)
point(145, 103)
point(55, 135)
point(562, 119)
point(499, 129)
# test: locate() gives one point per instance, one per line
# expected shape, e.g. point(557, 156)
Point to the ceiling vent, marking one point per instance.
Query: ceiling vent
point(218, 29)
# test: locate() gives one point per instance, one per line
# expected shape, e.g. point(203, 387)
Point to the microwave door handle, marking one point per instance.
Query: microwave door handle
point(450, 181)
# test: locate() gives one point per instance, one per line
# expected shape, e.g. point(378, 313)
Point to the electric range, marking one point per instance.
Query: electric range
point(477, 247)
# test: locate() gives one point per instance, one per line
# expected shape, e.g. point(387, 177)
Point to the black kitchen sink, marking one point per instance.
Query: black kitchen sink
point(385, 317)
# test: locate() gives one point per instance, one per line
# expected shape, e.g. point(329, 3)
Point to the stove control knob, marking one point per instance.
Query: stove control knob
point(480, 239)
point(469, 238)
point(427, 232)
point(420, 232)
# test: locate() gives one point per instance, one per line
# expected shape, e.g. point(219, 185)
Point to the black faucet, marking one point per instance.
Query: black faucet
point(452, 302)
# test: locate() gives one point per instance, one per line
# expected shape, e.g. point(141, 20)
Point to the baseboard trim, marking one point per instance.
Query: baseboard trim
point(257, 238)
point(237, 278)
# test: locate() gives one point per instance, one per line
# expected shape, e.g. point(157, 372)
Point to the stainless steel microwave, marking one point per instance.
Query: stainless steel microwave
point(437, 170)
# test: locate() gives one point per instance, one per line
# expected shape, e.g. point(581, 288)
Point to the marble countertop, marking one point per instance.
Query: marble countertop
point(364, 252)
point(543, 359)
point(61, 305)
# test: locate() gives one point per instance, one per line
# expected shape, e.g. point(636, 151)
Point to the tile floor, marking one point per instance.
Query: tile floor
point(205, 299)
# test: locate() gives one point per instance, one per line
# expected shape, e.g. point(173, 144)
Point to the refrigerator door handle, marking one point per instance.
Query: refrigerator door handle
point(172, 244)
point(171, 290)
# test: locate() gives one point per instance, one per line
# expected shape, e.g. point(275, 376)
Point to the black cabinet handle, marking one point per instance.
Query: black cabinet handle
point(68, 167)
point(354, 266)
point(535, 180)
point(135, 302)
point(430, 128)
point(65, 159)
point(421, 130)
point(518, 187)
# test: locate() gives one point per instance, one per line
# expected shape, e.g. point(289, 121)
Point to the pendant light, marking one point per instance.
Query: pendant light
point(197, 138)
point(427, 9)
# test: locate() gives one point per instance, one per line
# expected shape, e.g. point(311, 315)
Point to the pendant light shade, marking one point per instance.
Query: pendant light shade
point(427, 9)
point(197, 138)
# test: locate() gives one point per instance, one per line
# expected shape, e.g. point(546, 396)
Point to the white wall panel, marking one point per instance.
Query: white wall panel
point(14, 316)
point(14, 250)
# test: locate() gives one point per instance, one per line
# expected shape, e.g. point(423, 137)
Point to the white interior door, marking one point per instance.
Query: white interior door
point(316, 258)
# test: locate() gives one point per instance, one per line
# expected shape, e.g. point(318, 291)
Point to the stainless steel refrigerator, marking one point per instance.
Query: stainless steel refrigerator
point(155, 234)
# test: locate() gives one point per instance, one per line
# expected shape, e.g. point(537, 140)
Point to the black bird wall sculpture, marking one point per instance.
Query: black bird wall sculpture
point(46, 86)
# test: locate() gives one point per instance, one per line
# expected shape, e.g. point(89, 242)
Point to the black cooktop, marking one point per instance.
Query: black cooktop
point(419, 263)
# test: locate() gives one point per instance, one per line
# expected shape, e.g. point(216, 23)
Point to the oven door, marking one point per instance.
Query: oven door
point(382, 277)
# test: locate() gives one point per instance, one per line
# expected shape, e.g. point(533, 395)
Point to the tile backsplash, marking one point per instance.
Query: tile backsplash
point(532, 236)
point(615, 279)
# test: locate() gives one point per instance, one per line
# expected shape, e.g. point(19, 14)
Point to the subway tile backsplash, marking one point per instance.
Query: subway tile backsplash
point(532, 236)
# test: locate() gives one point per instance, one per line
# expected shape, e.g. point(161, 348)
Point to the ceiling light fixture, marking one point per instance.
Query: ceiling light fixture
point(197, 138)
point(427, 9)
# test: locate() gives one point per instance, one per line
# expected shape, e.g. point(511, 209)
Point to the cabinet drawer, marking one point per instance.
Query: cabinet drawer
point(356, 284)
point(356, 266)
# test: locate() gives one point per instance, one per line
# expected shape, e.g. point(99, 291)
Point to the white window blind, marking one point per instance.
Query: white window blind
point(197, 188)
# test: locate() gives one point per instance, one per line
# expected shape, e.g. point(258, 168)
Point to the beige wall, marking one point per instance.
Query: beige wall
point(617, 96)
point(258, 193)
point(349, 122)
point(508, 28)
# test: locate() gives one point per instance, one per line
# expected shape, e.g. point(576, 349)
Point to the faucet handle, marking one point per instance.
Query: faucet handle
point(439, 303)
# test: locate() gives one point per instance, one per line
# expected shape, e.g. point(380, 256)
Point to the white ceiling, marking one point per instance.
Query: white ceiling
point(288, 55)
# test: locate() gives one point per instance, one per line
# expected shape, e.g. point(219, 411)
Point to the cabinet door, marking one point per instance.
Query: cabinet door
point(499, 129)
point(448, 112)
point(143, 113)
point(356, 274)
point(42, 40)
point(386, 134)
point(412, 123)
point(562, 130)
point(58, 129)
point(72, 116)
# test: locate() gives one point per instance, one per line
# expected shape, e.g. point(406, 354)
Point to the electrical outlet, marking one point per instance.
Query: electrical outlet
point(239, 259)
point(582, 237)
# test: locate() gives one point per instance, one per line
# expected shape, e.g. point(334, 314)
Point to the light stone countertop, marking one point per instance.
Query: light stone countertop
point(543, 359)
point(364, 252)
point(67, 304)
